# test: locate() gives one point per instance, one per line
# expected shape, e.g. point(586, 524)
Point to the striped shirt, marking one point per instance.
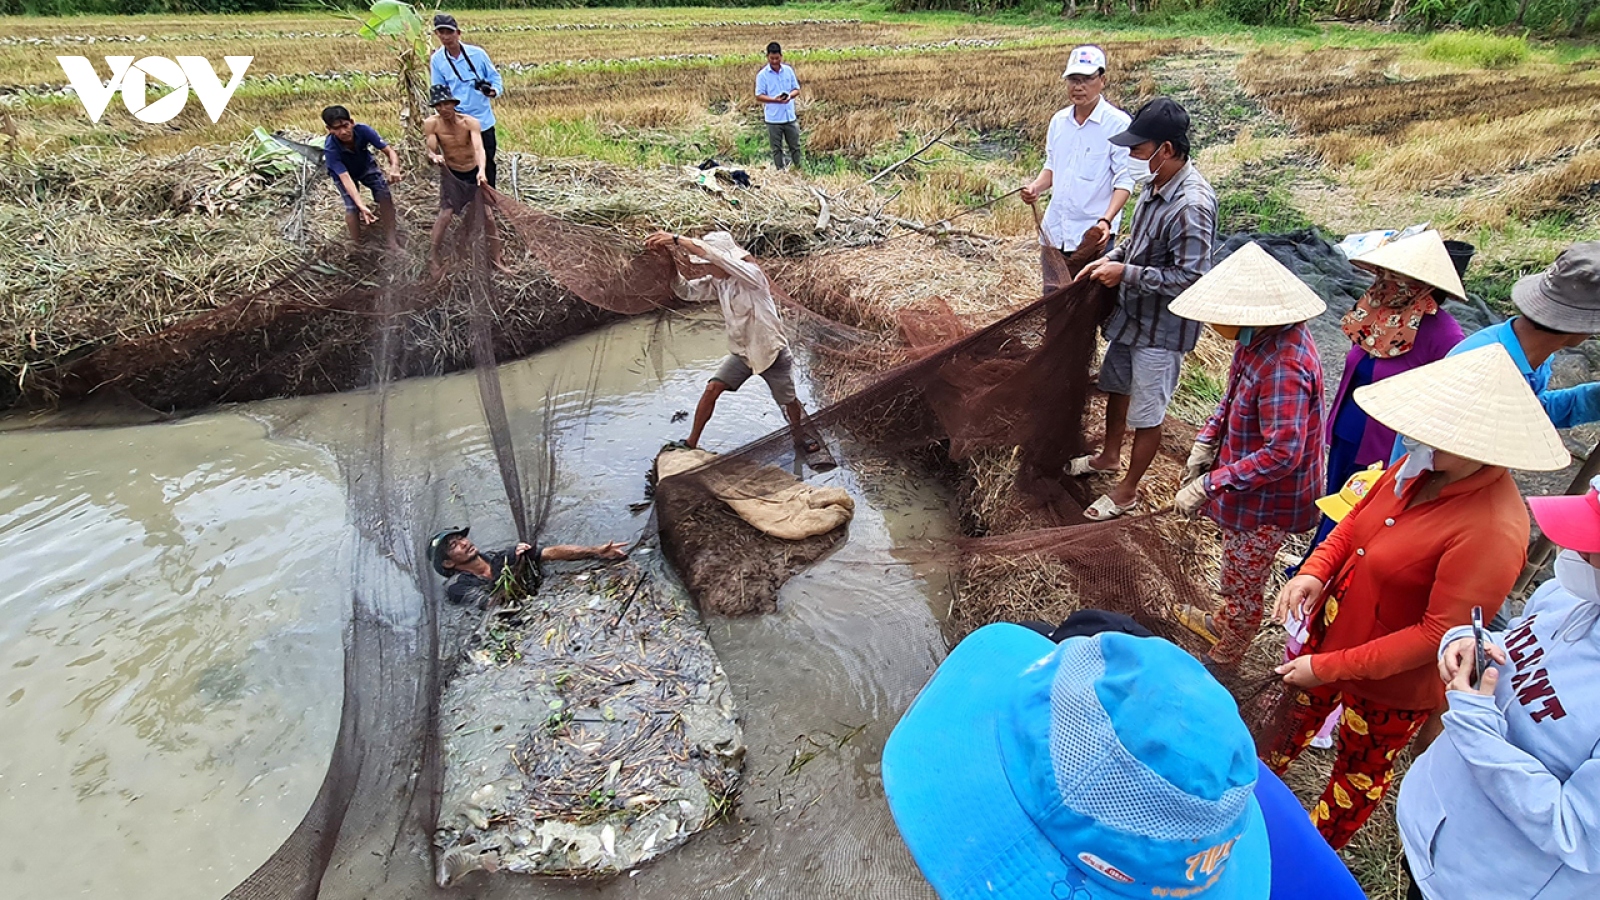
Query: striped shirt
point(1168, 249)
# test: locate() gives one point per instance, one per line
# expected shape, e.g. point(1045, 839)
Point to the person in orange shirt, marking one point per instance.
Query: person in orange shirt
point(1444, 530)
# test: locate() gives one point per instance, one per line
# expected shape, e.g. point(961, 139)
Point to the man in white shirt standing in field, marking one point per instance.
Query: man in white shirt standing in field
point(1088, 177)
point(776, 88)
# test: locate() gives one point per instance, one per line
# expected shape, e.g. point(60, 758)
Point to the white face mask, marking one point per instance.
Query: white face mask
point(1577, 577)
point(1141, 170)
point(1419, 459)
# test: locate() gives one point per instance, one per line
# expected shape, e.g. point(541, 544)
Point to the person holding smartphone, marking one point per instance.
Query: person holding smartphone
point(776, 88)
point(1440, 533)
point(1507, 802)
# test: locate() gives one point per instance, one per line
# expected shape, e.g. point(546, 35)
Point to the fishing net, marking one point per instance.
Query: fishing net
point(937, 394)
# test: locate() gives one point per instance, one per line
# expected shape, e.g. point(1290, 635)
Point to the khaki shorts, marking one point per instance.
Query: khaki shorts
point(779, 376)
point(1148, 376)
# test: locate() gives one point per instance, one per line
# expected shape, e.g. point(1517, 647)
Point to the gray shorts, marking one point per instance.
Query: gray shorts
point(779, 376)
point(1148, 376)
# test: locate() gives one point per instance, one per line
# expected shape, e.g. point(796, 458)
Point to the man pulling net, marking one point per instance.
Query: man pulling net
point(480, 578)
point(716, 266)
point(455, 145)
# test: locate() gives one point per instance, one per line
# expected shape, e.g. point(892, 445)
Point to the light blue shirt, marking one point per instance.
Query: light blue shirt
point(1565, 407)
point(772, 84)
point(1505, 804)
point(459, 72)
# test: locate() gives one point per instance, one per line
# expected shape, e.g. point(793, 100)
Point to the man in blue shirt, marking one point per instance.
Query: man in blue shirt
point(347, 153)
point(776, 88)
point(472, 79)
point(1560, 309)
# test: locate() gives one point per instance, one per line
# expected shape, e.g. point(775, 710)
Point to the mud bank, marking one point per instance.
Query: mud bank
point(321, 330)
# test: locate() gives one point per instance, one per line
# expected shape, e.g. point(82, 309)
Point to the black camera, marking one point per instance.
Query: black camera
point(484, 87)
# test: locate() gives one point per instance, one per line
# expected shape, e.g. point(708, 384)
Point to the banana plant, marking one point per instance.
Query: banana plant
point(405, 30)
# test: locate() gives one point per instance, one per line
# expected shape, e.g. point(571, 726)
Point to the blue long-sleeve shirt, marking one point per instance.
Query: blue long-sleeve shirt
point(459, 72)
point(1566, 407)
point(1506, 803)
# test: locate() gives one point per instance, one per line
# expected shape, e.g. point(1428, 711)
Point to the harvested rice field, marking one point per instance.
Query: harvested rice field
point(919, 128)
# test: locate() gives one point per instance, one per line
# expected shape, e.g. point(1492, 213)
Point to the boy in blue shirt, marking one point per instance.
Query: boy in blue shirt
point(348, 156)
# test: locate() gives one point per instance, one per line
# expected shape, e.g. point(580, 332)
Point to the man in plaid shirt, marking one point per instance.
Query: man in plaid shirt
point(1167, 250)
point(1256, 466)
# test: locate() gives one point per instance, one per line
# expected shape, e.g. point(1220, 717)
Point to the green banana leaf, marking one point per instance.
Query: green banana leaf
point(391, 18)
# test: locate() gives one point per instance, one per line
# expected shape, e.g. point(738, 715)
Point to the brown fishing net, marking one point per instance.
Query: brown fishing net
point(942, 394)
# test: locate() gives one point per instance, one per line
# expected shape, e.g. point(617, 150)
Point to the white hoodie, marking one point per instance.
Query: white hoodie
point(1506, 803)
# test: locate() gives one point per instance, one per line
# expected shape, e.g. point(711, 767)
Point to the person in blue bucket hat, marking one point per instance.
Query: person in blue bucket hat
point(1108, 766)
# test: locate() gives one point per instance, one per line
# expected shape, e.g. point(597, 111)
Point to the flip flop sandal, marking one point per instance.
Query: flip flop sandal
point(1105, 509)
point(1080, 467)
point(1197, 621)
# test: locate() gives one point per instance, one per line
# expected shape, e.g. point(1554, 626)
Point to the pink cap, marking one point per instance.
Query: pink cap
point(1571, 521)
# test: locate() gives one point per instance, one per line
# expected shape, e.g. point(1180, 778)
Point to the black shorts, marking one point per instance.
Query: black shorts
point(456, 193)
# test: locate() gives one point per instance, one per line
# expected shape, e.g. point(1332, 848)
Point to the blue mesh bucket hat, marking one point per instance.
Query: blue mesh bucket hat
point(1106, 767)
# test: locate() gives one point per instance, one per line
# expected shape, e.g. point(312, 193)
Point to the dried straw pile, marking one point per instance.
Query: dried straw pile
point(104, 246)
point(100, 244)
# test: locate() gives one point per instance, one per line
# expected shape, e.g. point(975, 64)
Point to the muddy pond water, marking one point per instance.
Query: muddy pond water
point(170, 637)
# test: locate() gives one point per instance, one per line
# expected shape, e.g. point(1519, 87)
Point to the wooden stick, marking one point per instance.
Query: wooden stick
point(916, 153)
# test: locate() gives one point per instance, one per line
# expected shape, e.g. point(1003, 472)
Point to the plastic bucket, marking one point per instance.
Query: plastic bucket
point(1460, 254)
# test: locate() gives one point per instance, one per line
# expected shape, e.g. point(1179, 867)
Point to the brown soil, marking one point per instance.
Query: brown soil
point(318, 330)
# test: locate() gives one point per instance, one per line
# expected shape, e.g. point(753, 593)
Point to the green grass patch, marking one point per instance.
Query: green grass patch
point(1477, 48)
point(1198, 393)
point(1252, 208)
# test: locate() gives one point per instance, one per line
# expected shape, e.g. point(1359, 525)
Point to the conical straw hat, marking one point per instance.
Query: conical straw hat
point(1420, 256)
point(1249, 288)
point(1475, 405)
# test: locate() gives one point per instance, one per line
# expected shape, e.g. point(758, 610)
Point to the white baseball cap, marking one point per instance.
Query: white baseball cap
point(1085, 60)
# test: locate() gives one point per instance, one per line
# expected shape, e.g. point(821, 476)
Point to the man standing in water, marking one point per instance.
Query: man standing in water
point(472, 79)
point(1088, 176)
point(477, 575)
point(455, 144)
point(716, 266)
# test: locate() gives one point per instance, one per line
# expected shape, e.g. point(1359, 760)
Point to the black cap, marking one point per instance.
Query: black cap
point(1160, 120)
point(441, 543)
point(440, 93)
point(445, 20)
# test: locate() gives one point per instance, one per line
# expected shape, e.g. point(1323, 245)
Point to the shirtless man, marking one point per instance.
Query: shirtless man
point(455, 142)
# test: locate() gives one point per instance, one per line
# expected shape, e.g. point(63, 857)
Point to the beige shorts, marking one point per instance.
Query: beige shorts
point(779, 376)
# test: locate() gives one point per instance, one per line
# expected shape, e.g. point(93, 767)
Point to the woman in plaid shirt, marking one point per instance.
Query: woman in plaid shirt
point(1256, 466)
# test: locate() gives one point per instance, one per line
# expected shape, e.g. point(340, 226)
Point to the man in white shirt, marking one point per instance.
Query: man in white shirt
point(716, 266)
point(776, 88)
point(1088, 177)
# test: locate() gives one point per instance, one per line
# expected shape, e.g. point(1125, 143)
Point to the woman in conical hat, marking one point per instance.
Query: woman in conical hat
point(1396, 326)
point(1256, 467)
point(1444, 530)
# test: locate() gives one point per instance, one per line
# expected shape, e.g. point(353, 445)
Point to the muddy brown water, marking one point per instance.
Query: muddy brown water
point(170, 654)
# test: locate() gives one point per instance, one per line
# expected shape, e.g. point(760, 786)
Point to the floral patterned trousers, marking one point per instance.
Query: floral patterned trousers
point(1370, 736)
point(1247, 558)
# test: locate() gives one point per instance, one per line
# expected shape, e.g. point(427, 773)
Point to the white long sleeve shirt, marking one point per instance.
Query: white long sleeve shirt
point(1505, 805)
point(755, 329)
point(1085, 167)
